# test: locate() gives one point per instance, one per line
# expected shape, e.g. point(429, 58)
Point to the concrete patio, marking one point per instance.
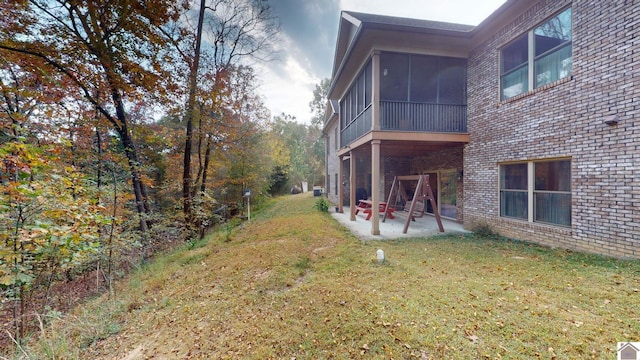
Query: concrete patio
point(392, 228)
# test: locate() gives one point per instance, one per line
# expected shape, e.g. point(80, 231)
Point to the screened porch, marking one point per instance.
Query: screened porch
point(418, 93)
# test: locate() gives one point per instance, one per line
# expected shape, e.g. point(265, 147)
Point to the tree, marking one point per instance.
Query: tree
point(110, 50)
point(77, 81)
point(300, 140)
point(318, 105)
point(40, 197)
point(242, 147)
point(189, 113)
point(235, 29)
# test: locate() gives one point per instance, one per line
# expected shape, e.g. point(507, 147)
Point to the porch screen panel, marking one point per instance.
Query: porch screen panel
point(360, 94)
point(453, 79)
point(394, 77)
point(368, 87)
point(352, 104)
point(424, 79)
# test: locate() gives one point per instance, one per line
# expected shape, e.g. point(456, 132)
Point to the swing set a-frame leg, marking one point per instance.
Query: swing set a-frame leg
point(416, 195)
point(423, 190)
point(393, 187)
point(432, 200)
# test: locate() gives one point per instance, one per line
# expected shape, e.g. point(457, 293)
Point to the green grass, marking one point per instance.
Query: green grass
point(293, 283)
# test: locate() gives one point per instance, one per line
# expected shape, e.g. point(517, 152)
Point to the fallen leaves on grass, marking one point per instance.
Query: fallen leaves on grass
point(293, 284)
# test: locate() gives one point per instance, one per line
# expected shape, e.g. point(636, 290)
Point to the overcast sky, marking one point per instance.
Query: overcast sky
point(309, 30)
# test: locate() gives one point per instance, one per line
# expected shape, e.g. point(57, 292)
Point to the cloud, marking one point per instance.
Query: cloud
point(470, 12)
point(306, 43)
point(305, 48)
point(288, 88)
point(311, 28)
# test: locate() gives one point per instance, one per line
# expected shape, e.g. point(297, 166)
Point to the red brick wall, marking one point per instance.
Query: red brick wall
point(565, 119)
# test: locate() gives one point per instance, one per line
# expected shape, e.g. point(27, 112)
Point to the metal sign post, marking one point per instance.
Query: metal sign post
point(247, 194)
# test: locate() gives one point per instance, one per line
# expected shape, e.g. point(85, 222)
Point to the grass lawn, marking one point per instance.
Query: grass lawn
point(293, 283)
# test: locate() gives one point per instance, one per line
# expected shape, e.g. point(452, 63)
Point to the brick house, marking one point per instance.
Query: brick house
point(525, 122)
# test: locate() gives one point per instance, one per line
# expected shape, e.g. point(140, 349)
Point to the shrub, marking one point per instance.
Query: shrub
point(484, 230)
point(322, 204)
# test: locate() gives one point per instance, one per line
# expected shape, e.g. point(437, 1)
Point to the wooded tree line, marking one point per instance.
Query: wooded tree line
point(129, 122)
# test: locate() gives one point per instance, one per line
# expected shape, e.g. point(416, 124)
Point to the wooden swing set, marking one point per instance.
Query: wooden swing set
point(421, 195)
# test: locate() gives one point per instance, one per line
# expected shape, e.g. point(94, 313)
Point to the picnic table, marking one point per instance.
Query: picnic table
point(366, 205)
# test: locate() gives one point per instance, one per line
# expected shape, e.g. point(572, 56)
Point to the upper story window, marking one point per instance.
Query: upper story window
point(541, 56)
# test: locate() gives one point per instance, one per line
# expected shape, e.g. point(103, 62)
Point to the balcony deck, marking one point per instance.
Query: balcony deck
point(409, 117)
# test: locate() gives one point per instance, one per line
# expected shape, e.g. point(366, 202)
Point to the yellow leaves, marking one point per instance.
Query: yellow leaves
point(7, 280)
point(47, 225)
point(20, 158)
point(17, 278)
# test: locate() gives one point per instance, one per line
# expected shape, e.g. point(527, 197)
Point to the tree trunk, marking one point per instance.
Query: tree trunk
point(99, 148)
point(199, 150)
point(193, 82)
point(207, 159)
point(136, 178)
point(134, 167)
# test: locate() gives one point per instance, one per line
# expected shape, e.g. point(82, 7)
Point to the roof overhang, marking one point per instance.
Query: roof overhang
point(330, 115)
point(359, 35)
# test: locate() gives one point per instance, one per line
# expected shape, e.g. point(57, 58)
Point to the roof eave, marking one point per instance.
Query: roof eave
point(388, 27)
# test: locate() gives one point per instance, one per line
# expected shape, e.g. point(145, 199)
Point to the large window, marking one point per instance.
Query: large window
point(537, 191)
point(552, 192)
point(541, 56)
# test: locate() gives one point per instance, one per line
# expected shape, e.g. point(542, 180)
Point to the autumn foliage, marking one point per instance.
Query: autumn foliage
point(93, 140)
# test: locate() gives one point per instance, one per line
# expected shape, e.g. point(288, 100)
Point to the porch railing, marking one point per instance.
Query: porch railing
point(408, 116)
point(359, 126)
